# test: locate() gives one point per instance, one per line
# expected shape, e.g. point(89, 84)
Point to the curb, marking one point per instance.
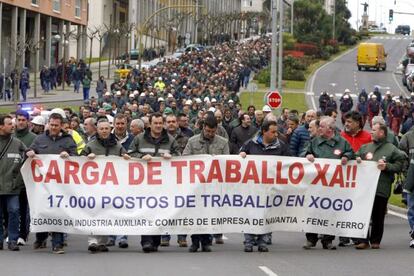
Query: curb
point(399, 210)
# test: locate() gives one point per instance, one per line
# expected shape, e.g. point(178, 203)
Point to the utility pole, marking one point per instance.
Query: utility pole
point(280, 69)
point(333, 19)
point(291, 16)
point(273, 66)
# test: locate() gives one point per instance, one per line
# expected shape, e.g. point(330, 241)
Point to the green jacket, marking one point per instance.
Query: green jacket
point(200, 145)
point(25, 135)
point(11, 181)
point(394, 158)
point(86, 82)
point(334, 148)
point(106, 147)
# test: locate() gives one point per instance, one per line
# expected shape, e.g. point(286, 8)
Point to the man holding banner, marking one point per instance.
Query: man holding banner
point(266, 142)
point(105, 144)
point(154, 142)
point(332, 146)
point(11, 159)
point(206, 143)
point(390, 161)
point(53, 141)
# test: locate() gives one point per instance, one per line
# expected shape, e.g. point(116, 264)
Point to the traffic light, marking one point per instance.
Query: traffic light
point(391, 15)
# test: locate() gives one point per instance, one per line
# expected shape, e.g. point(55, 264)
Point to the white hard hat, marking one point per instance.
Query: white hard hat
point(136, 92)
point(170, 95)
point(131, 95)
point(412, 94)
point(161, 99)
point(347, 91)
point(198, 100)
point(108, 93)
point(118, 93)
point(388, 92)
point(374, 96)
point(266, 108)
point(142, 94)
point(346, 96)
point(58, 111)
point(213, 100)
point(206, 99)
point(212, 109)
point(39, 120)
point(151, 94)
point(188, 102)
point(231, 101)
point(160, 78)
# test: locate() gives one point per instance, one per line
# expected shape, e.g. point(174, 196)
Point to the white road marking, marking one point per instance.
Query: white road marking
point(397, 214)
point(317, 71)
point(310, 93)
point(267, 271)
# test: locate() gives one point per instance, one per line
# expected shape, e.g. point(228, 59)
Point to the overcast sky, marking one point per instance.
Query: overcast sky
point(378, 11)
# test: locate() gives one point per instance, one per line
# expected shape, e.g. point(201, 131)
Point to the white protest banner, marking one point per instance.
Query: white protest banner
point(199, 194)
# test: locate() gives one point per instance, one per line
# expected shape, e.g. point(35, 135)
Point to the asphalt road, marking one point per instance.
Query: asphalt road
point(343, 73)
point(286, 257)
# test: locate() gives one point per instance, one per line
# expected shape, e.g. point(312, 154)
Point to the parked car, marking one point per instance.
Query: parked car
point(133, 55)
point(194, 48)
point(403, 29)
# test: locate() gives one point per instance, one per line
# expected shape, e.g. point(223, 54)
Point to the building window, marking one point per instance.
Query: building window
point(251, 3)
point(56, 5)
point(35, 2)
point(78, 8)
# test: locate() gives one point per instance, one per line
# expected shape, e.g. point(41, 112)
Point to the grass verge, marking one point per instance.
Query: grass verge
point(290, 100)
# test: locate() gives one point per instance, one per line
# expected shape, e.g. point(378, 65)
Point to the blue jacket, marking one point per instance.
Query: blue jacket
point(299, 140)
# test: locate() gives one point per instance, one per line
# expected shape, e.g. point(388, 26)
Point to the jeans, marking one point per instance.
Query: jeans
point(24, 93)
point(24, 215)
point(57, 238)
point(12, 205)
point(410, 213)
point(253, 239)
point(120, 238)
point(76, 86)
point(86, 93)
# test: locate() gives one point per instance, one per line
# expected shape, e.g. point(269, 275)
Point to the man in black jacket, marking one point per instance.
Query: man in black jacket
point(266, 142)
point(242, 133)
point(53, 141)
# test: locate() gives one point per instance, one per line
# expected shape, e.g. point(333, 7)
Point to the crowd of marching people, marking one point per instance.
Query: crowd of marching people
point(191, 106)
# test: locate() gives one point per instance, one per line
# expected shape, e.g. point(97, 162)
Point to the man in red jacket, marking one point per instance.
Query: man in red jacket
point(356, 136)
point(353, 131)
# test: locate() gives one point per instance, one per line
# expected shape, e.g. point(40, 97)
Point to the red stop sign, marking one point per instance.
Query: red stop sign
point(274, 99)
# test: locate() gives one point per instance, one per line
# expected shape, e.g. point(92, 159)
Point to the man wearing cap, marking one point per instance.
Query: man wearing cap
point(53, 141)
point(346, 104)
point(38, 125)
point(24, 134)
point(154, 142)
point(159, 85)
point(396, 116)
point(373, 108)
point(11, 183)
point(385, 105)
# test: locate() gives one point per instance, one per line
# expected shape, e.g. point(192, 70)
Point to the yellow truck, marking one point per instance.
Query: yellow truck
point(371, 55)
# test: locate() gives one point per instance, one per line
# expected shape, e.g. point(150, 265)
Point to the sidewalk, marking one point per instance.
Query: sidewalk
point(59, 95)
